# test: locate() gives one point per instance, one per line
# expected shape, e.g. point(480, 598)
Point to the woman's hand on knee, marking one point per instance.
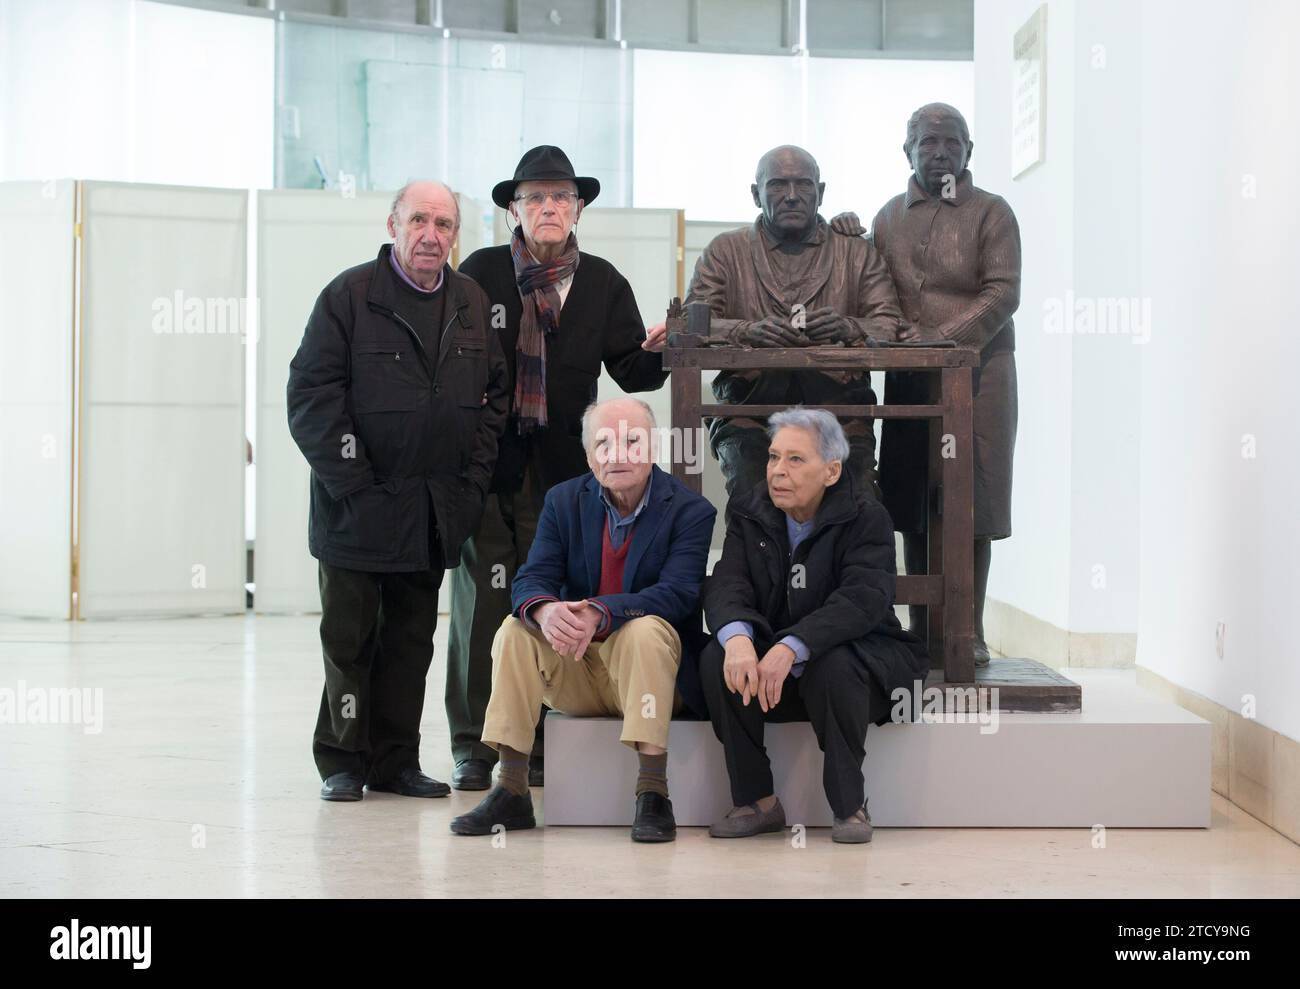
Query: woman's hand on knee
point(740, 668)
point(772, 671)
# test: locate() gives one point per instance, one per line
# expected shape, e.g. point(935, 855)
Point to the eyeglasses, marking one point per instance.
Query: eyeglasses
point(562, 199)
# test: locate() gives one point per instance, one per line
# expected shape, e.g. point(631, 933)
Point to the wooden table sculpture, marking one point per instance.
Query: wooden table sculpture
point(947, 589)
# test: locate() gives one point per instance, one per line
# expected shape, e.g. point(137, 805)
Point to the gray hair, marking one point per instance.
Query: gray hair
point(400, 197)
point(831, 441)
point(590, 413)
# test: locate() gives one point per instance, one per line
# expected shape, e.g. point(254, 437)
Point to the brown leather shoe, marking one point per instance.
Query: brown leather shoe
point(746, 825)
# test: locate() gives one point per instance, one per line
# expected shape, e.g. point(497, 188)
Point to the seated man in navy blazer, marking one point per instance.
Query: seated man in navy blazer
point(606, 618)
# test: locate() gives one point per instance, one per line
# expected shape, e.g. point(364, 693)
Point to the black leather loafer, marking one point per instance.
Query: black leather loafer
point(342, 786)
point(511, 811)
point(654, 819)
point(413, 783)
point(472, 774)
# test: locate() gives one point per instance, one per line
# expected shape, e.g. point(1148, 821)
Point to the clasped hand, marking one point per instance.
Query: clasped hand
point(745, 674)
point(822, 327)
point(568, 626)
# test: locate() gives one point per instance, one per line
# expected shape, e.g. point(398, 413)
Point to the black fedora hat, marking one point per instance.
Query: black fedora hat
point(542, 163)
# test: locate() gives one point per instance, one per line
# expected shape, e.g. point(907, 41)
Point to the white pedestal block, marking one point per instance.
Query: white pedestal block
point(1127, 760)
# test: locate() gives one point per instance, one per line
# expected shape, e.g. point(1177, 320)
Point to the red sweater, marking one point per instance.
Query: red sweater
point(611, 568)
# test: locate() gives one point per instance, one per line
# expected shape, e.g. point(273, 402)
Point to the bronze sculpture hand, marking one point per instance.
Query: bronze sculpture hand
point(827, 328)
point(771, 331)
point(847, 224)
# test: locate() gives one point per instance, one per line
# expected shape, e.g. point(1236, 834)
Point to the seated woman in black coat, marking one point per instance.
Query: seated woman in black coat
point(801, 607)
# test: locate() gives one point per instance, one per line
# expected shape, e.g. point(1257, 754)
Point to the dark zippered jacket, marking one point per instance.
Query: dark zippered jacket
point(396, 437)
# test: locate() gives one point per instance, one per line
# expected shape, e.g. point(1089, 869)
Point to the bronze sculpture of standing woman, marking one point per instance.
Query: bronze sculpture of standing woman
point(953, 251)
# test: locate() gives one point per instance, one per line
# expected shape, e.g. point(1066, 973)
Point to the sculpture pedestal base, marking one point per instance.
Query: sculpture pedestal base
point(1021, 685)
point(1127, 759)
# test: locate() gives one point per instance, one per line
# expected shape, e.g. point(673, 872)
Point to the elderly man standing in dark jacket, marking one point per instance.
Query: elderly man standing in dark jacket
point(802, 608)
point(396, 397)
point(561, 313)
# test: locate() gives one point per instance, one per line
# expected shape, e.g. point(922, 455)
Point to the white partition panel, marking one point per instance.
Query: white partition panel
point(162, 421)
point(305, 238)
point(642, 244)
point(36, 365)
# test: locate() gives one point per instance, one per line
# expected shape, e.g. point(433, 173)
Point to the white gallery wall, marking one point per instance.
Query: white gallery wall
point(1167, 462)
point(1073, 557)
point(142, 92)
point(1106, 367)
point(1031, 570)
point(36, 368)
point(1220, 248)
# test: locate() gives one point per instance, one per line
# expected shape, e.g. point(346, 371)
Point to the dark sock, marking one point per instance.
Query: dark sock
point(653, 775)
point(512, 770)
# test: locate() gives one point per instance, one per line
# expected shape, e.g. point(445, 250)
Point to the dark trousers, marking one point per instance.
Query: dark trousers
point(376, 630)
point(836, 693)
point(480, 602)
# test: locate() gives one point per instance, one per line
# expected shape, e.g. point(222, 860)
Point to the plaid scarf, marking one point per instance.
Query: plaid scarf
point(541, 318)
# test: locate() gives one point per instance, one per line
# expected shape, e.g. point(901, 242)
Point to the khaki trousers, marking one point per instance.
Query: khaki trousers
point(632, 674)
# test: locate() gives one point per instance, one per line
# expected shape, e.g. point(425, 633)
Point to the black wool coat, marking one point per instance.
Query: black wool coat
point(397, 437)
point(599, 323)
point(836, 589)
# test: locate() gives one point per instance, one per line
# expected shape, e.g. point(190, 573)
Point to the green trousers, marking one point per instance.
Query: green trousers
point(480, 602)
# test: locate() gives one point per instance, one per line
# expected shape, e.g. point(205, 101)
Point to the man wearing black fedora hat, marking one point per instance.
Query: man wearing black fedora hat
point(561, 314)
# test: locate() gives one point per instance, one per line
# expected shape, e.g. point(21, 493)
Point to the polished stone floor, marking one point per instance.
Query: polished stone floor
point(199, 782)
